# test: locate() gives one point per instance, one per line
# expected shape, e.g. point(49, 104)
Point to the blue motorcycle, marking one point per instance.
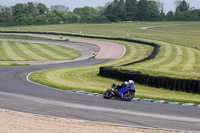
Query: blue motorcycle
point(125, 91)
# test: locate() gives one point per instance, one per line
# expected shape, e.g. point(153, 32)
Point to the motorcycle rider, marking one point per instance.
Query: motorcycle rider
point(125, 90)
point(94, 55)
point(131, 82)
point(123, 84)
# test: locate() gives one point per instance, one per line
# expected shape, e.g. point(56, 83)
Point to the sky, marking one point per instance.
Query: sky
point(168, 4)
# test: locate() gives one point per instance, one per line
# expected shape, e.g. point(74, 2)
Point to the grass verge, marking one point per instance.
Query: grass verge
point(6, 36)
point(11, 64)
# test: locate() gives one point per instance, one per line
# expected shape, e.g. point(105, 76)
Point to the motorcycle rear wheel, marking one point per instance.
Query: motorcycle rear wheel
point(128, 96)
point(107, 94)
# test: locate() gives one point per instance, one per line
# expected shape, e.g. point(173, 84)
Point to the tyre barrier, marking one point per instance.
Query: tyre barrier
point(185, 85)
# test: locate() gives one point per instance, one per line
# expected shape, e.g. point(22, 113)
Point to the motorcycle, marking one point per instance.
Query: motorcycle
point(125, 91)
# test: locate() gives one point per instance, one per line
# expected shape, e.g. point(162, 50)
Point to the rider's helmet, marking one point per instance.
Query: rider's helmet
point(131, 81)
point(125, 83)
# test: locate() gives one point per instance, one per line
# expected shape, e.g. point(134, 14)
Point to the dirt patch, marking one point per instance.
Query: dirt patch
point(15, 122)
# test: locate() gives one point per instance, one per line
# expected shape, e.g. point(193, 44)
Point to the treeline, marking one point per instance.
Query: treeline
point(118, 10)
point(149, 10)
point(38, 13)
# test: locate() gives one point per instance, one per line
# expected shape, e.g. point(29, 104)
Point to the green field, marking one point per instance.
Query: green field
point(182, 33)
point(24, 51)
point(173, 61)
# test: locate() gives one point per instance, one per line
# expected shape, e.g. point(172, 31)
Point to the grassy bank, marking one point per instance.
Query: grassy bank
point(172, 61)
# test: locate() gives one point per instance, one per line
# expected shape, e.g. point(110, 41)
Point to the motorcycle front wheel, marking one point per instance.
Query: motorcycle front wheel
point(128, 96)
point(107, 94)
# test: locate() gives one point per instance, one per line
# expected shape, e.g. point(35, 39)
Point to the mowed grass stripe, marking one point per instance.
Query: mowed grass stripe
point(196, 65)
point(3, 54)
point(53, 52)
point(183, 61)
point(24, 51)
point(28, 51)
point(162, 56)
point(169, 57)
point(137, 51)
point(36, 48)
point(64, 51)
point(18, 49)
point(10, 52)
point(190, 60)
point(175, 62)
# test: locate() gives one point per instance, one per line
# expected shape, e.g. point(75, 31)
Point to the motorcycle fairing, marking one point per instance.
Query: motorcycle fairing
point(123, 90)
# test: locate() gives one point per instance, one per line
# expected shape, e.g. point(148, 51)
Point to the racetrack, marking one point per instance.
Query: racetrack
point(18, 94)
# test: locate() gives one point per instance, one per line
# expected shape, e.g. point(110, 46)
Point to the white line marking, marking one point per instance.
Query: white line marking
point(27, 78)
point(124, 52)
point(102, 109)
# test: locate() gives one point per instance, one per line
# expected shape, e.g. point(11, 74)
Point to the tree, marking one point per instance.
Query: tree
point(160, 6)
point(52, 18)
point(195, 15)
point(121, 10)
point(152, 11)
point(40, 19)
point(115, 11)
point(6, 15)
point(100, 10)
point(182, 11)
point(42, 9)
point(30, 19)
point(70, 17)
point(130, 10)
point(142, 10)
point(30, 8)
point(87, 14)
point(110, 13)
point(170, 16)
point(19, 13)
point(182, 6)
point(66, 17)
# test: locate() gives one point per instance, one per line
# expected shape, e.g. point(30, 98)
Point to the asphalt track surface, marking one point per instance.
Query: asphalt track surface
point(18, 94)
